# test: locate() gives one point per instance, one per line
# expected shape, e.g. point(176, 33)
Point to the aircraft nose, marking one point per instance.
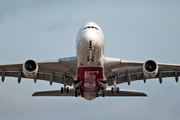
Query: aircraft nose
point(91, 35)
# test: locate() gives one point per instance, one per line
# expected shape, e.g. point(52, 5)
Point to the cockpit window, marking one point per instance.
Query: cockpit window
point(91, 27)
point(96, 28)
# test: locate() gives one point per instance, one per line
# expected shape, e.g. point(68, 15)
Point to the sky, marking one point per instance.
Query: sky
point(136, 30)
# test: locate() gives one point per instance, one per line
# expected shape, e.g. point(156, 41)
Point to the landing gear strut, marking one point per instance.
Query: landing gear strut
point(65, 89)
point(114, 89)
point(90, 57)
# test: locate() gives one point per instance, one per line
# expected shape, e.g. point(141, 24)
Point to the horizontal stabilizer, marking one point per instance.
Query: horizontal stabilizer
point(72, 93)
point(125, 93)
point(55, 93)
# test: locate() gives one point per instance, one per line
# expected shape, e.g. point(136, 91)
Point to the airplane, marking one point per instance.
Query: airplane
point(90, 72)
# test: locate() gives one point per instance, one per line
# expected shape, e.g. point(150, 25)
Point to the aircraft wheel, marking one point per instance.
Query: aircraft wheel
point(62, 89)
point(88, 58)
point(92, 58)
point(97, 95)
point(82, 93)
point(75, 93)
point(103, 94)
point(117, 89)
point(67, 90)
point(112, 90)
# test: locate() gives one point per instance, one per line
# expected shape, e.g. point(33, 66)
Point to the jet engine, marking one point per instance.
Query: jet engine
point(150, 69)
point(30, 68)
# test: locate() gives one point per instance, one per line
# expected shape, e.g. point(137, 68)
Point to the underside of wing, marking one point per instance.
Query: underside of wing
point(61, 70)
point(119, 71)
point(117, 67)
point(70, 92)
point(124, 93)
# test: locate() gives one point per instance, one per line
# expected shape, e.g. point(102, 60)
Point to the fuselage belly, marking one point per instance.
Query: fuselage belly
point(90, 53)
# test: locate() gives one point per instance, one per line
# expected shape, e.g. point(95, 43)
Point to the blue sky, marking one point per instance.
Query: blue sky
point(134, 30)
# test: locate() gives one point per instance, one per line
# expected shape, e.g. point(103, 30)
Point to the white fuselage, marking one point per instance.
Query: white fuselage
point(90, 53)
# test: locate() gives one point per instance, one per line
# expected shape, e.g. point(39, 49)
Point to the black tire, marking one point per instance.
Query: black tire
point(97, 95)
point(67, 90)
point(103, 94)
point(112, 90)
point(117, 89)
point(88, 58)
point(92, 58)
point(82, 93)
point(62, 89)
point(75, 93)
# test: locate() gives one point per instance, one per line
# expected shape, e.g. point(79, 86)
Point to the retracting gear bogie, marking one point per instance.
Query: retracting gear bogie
point(66, 89)
point(100, 93)
point(114, 89)
point(79, 92)
point(101, 88)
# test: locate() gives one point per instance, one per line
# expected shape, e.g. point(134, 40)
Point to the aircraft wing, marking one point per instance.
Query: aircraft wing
point(60, 67)
point(125, 93)
point(127, 71)
point(71, 92)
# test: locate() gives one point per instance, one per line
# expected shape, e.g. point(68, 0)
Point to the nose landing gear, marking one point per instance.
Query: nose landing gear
point(78, 89)
point(90, 57)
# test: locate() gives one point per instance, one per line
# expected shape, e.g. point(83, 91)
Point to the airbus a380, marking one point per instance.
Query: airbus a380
point(90, 72)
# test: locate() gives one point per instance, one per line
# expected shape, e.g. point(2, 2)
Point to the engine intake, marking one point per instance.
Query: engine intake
point(30, 68)
point(150, 69)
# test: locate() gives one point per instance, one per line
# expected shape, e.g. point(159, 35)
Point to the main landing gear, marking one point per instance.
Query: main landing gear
point(100, 93)
point(114, 89)
point(78, 88)
point(101, 89)
point(79, 92)
point(65, 79)
point(65, 89)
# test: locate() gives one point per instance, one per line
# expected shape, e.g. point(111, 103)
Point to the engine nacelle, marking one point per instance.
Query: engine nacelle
point(150, 69)
point(30, 68)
